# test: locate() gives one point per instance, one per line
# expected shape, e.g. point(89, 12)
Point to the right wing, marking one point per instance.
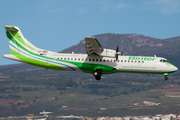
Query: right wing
point(92, 46)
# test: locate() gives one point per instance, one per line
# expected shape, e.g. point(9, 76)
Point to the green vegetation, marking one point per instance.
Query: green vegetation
point(32, 91)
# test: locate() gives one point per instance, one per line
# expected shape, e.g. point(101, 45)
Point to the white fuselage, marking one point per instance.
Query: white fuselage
point(136, 64)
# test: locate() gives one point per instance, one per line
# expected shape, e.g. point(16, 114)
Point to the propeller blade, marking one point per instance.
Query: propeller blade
point(117, 50)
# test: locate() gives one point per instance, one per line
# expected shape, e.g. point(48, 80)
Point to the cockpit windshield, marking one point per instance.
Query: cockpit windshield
point(163, 60)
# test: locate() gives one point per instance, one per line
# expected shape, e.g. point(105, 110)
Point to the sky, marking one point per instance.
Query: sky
point(58, 24)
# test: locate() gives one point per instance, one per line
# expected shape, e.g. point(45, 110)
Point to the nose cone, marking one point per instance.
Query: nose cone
point(172, 67)
point(175, 68)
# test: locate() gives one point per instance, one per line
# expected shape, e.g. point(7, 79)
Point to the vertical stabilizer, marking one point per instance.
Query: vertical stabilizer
point(16, 40)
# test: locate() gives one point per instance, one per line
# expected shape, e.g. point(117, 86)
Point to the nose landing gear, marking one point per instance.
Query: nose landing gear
point(165, 76)
point(97, 74)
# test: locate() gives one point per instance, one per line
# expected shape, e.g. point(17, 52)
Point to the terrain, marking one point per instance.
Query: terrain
point(26, 89)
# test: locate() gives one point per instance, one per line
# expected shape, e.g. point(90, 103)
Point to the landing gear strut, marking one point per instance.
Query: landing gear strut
point(165, 77)
point(97, 74)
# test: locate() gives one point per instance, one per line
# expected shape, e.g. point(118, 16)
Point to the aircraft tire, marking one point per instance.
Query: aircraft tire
point(166, 77)
point(98, 77)
point(97, 74)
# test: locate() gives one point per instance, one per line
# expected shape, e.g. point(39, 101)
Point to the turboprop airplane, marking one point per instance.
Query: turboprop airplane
point(97, 61)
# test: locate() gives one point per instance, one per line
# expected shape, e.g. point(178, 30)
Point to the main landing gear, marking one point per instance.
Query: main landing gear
point(97, 74)
point(165, 77)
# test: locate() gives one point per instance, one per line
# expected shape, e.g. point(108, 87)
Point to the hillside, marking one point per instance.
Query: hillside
point(31, 90)
point(132, 44)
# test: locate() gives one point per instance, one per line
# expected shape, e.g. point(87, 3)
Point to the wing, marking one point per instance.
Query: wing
point(92, 46)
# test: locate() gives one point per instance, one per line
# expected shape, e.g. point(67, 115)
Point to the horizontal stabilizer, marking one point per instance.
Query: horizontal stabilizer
point(12, 57)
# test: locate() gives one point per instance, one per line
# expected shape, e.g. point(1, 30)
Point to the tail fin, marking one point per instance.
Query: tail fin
point(16, 40)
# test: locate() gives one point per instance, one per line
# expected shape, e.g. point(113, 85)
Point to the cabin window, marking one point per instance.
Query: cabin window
point(96, 59)
point(100, 60)
point(58, 58)
point(135, 61)
point(82, 59)
point(104, 60)
point(89, 59)
point(107, 60)
point(142, 61)
point(93, 60)
point(64, 58)
point(139, 61)
point(61, 58)
point(68, 58)
point(128, 61)
point(79, 59)
point(74, 58)
point(124, 60)
point(161, 60)
point(71, 58)
point(121, 60)
point(132, 61)
point(111, 60)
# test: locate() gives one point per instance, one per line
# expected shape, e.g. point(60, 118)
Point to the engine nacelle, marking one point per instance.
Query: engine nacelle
point(109, 53)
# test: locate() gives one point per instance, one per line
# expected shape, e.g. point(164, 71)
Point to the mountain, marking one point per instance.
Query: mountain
point(133, 44)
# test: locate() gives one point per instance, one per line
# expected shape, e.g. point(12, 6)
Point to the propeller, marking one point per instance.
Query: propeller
point(117, 52)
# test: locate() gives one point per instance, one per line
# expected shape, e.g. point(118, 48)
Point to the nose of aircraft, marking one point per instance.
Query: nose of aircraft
point(174, 68)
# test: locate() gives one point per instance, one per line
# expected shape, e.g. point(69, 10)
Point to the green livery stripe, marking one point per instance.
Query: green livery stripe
point(170, 64)
point(85, 67)
point(29, 52)
point(145, 72)
point(36, 62)
point(10, 37)
point(20, 39)
point(89, 67)
point(19, 45)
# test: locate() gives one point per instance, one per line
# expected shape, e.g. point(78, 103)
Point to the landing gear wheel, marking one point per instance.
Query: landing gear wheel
point(97, 74)
point(165, 77)
point(98, 77)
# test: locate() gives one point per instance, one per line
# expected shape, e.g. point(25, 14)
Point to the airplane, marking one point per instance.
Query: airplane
point(97, 61)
